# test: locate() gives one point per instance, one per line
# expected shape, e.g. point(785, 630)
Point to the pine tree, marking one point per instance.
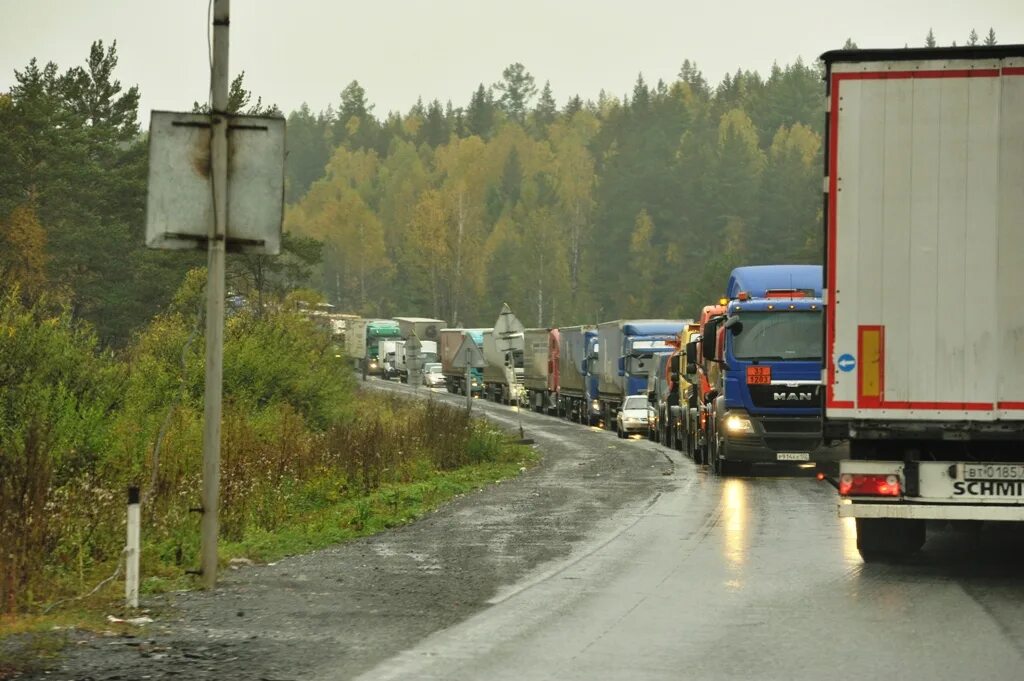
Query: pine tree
point(850, 45)
point(573, 106)
point(517, 88)
point(972, 39)
point(929, 40)
point(990, 39)
point(480, 113)
point(546, 111)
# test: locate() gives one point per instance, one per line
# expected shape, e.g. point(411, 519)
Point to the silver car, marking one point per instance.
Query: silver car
point(432, 376)
point(633, 417)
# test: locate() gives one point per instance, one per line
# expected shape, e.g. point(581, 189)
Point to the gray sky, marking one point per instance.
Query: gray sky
point(308, 50)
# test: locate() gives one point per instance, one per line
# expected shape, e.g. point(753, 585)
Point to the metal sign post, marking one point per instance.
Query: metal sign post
point(469, 357)
point(413, 361)
point(220, 191)
point(506, 328)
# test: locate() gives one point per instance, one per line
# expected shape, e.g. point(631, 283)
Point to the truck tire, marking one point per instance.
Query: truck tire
point(888, 539)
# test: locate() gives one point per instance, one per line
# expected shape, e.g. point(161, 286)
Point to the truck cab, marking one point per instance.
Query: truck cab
point(767, 349)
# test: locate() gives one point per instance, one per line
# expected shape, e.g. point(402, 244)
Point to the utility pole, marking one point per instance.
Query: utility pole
point(215, 293)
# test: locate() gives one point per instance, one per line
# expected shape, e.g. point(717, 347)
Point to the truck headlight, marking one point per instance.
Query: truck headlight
point(738, 424)
point(595, 405)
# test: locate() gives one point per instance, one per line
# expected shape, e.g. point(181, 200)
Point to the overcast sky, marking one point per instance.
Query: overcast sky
point(296, 51)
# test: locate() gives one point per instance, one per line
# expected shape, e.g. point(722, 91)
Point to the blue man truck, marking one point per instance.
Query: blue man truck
point(768, 402)
point(577, 374)
point(628, 349)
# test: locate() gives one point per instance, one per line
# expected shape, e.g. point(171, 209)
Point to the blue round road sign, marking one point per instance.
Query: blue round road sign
point(846, 362)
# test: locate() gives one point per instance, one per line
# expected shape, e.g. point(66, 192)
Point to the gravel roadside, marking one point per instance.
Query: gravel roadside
point(343, 610)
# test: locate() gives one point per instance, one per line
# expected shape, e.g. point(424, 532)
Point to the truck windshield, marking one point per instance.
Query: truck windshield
point(779, 336)
point(641, 347)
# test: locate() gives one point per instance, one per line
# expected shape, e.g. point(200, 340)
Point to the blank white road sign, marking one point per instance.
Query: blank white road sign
point(179, 206)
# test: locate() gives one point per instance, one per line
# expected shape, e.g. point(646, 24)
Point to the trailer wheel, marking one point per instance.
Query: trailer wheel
point(888, 539)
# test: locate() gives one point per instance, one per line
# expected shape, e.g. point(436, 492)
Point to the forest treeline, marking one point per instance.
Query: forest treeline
point(628, 205)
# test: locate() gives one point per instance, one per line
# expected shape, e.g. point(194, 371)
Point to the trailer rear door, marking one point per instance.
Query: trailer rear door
point(925, 231)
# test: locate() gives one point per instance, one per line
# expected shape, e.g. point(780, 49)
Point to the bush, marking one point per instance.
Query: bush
point(78, 426)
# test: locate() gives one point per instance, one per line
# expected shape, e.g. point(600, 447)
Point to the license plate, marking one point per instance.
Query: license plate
point(793, 456)
point(993, 471)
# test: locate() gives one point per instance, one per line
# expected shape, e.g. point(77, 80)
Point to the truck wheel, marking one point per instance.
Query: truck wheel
point(888, 539)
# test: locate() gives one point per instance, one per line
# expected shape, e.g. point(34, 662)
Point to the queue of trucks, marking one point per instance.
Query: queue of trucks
point(854, 368)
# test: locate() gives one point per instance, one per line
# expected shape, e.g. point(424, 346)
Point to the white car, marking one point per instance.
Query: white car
point(633, 417)
point(432, 376)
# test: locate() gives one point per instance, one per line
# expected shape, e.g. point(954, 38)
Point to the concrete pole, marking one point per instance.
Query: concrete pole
point(215, 294)
point(131, 550)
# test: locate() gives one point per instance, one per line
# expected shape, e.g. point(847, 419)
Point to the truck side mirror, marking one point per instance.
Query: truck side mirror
point(707, 345)
point(691, 353)
point(691, 368)
point(650, 397)
point(735, 325)
point(673, 364)
point(622, 366)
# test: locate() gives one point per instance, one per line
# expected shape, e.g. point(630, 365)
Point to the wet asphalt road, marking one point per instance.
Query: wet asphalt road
point(743, 578)
point(610, 560)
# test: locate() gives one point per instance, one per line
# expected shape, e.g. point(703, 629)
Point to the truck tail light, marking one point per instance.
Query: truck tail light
point(868, 485)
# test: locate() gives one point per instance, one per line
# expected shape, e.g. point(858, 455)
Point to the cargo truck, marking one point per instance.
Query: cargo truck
point(659, 388)
point(428, 354)
point(362, 338)
point(704, 375)
point(424, 328)
point(577, 374)
point(455, 377)
point(540, 369)
point(503, 373)
point(628, 348)
point(683, 421)
point(768, 350)
point(924, 329)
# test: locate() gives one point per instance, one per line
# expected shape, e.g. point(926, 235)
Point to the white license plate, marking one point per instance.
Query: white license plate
point(993, 471)
point(793, 456)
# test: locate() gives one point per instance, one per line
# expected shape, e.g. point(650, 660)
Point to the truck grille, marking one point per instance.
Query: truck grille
point(792, 444)
point(782, 396)
point(791, 425)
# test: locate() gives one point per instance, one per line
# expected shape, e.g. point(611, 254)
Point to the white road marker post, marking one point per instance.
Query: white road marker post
point(219, 118)
point(131, 550)
point(469, 381)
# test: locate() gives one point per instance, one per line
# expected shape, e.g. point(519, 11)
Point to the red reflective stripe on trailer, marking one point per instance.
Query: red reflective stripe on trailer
point(830, 329)
point(1011, 405)
point(937, 406)
point(1013, 71)
point(898, 75)
point(841, 404)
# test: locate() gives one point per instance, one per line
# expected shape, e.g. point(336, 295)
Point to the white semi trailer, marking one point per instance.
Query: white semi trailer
point(924, 319)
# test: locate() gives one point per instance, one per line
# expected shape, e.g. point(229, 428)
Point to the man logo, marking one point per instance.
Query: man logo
point(793, 397)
